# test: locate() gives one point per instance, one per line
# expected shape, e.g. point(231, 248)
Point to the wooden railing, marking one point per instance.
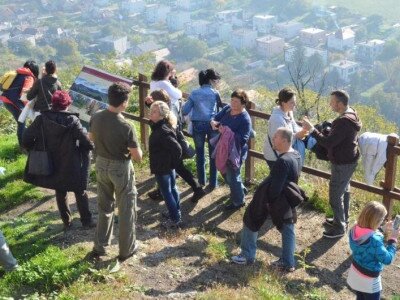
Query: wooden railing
point(387, 187)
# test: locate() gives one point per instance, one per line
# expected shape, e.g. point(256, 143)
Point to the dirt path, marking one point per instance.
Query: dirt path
point(173, 265)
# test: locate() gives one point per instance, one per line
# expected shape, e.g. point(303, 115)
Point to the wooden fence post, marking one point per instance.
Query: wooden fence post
point(249, 164)
point(144, 128)
point(390, 173)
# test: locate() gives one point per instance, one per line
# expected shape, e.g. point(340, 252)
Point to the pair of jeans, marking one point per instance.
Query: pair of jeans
point(288, 245)
point(15, 113)
point(115, 185)
point(339, 196)
point(201, 131)
point(234, 180)
point(82, 202)
point(168, 189)
point(248, 244)
point(367, 296)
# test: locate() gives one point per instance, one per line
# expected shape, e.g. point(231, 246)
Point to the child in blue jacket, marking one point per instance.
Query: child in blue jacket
point(370, 252)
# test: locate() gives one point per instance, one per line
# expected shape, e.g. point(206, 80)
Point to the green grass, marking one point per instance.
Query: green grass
point(44, 267)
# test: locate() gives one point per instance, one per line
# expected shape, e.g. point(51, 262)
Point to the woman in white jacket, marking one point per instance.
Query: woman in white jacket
point(161, 80)
point(282, 116)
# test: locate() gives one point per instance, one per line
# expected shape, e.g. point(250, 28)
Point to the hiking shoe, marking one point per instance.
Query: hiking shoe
point(241, 260)
point(197, 195)
point(170, 224)
point(333, 233)
point(124, 258)
point(232, 207)
point(155, 195)
point(279, 264)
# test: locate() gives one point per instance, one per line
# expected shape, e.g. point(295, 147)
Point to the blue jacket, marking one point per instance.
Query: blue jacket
point(370, 251)
point(203, 103)
point(239, 124)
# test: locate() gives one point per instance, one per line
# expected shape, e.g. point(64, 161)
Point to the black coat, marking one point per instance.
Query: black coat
point(63, 133)
point(164, 150)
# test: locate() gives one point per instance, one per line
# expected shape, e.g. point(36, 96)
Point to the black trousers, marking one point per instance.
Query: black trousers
point(82, 202)
point(187, 176)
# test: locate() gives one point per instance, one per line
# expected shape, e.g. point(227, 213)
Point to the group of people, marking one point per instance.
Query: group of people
point(227, 130)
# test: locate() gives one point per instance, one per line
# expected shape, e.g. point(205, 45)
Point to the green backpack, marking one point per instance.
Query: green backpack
point(7, 79)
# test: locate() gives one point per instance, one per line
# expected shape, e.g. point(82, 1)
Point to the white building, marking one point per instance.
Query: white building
point(119, 45)
point(133, 6)
point(243, 39)
point(233, 16)
point(341, 40)
point(308, 52)
point(312, 36)
point(177, 20)
point(270, 45)
point(191, 5)
point(157, 13)
point(199, 28)
point(288, 30)
point(344, 68)
point(368, 51)
point(224, 32)
point(263, 23)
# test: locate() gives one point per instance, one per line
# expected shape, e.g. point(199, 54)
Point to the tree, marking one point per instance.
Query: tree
point(373, 23)
point(390, 50)
point(307, 74)
point(190, 48)
point(67, 48)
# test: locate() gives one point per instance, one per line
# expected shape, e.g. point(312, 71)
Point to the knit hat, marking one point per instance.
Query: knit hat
point(60, 100)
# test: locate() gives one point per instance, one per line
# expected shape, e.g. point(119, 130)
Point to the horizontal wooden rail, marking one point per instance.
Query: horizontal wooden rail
point(395, 194)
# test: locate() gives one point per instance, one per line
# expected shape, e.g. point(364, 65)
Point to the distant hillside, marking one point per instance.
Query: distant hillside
point(389, 9)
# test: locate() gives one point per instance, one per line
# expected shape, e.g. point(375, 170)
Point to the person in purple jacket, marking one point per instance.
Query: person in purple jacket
point(238, 120)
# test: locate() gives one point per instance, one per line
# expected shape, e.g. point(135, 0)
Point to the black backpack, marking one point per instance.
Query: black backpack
point(320, 151)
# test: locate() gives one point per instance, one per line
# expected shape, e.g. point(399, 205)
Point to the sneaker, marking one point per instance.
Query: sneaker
point(67, 226)
point(124, 258)
point(278, 264)
point(197, 195)
point(241, 260)
point(155, 195)
point(330, 222)
point(232, 207)
point(170, 224)
point(333, 233)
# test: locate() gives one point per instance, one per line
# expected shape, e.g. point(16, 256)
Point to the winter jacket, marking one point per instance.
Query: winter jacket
point(22, 83)
point(68, 147)
point(369, 251)
point(203, 103)
point(373, 148)
point(226, 150)
point(278, 119)
point(277, 195)
point(342, 142)
point(164, 150)
point(43, 101)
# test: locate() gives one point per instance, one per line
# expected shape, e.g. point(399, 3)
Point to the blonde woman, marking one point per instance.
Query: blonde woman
point(165, 154)
point(370, 252)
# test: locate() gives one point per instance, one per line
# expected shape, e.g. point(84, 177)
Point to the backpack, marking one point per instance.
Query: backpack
point(320, 151)
point(7, 79)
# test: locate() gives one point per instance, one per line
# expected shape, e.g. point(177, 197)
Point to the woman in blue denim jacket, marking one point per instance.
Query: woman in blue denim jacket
point(203, 104)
